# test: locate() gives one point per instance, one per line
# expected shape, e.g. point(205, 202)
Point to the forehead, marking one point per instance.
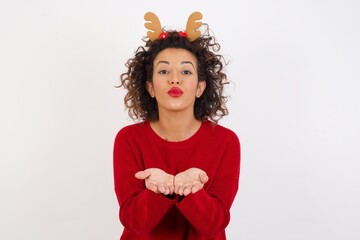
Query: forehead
point(175, 55)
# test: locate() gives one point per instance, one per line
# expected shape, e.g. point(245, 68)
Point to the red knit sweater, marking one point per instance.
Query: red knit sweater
point(203, 215)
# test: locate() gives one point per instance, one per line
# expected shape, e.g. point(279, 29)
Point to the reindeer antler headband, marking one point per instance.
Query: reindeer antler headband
point(192, 31)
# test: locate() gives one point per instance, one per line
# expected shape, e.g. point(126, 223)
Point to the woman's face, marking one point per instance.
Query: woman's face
point(175, 83)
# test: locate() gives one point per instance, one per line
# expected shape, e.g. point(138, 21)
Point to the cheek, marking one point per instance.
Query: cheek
point(159, 87)
point(194, 87)
point(156, 85)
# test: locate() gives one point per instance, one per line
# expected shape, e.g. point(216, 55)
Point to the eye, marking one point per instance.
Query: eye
point(163, 71)
point(187, 72)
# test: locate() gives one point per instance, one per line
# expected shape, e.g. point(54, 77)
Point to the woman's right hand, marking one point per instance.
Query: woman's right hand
point(157, 180)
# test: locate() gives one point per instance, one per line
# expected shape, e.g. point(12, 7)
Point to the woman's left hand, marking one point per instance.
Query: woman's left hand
point(190, 181)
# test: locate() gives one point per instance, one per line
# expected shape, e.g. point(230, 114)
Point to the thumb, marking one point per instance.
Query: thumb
point(203, 178)
point(142, 174)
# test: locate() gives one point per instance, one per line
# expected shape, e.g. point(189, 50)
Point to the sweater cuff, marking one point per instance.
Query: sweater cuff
point(164, 200)
point(191, 201)
point(204, 212)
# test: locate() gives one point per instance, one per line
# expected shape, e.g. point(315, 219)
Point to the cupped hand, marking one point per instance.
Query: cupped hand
point(157, 180)
point(190, 181)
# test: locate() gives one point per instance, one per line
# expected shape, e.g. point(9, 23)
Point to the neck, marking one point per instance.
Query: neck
point(176, 127)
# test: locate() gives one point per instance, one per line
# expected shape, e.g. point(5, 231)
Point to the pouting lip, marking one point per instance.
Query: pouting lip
point(175, 91)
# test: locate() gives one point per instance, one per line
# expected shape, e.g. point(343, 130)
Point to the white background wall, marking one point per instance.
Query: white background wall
point(295, 106)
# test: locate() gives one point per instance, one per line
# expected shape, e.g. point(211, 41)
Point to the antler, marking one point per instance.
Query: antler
point(154, 26)
point(192, 26)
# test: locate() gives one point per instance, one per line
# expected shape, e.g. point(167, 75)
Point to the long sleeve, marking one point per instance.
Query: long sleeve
point(140, 209)
point(209, 209)
point(203, 215)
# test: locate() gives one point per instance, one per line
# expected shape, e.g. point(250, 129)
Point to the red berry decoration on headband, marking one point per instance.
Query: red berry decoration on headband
point(163, 35)
point(182, 34)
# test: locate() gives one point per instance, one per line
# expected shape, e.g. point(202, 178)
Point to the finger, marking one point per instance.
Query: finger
point(181, 190)
point(196, 188)
point(161, 188)
point(167, 191)
point(204, 178)
point(187, 190)
point(142, 174)
point(177, 187)
point(152, 187)
point(171, 188)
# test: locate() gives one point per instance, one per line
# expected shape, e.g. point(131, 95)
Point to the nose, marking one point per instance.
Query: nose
point(173, 82)
point(174, 79)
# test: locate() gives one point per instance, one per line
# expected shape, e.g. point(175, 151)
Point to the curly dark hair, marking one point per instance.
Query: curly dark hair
point(211, 104)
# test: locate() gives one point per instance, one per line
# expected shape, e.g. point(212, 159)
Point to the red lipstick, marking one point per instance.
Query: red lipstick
point(175, 92)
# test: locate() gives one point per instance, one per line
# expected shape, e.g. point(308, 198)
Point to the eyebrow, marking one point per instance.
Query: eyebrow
point(188, 62)
point(183, 62)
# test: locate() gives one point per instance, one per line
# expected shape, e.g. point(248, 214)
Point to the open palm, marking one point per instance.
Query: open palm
point(157, 180)
point(190, 181)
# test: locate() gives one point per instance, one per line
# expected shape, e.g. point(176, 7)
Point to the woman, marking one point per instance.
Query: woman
point(177, 171)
